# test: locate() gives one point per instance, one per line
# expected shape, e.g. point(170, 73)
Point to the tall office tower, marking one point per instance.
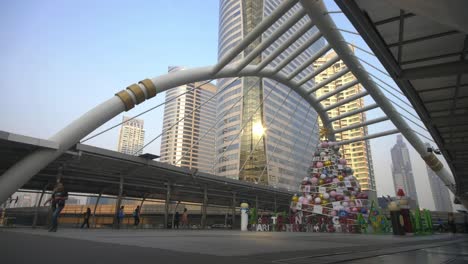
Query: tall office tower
point(190, 142)
point(402, 170)
point(131, 137)
point(263, 138)
point(440, 192)
point(358, 154)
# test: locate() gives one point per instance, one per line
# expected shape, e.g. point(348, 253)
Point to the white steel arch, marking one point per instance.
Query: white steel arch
point(22, 171)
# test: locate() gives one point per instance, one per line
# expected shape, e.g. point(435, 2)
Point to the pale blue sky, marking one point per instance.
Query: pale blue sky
point(61, 58)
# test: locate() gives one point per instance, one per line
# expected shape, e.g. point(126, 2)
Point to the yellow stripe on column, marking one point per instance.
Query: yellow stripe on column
point(139, 94)
point(150, 88)
point(126, 99)
point(433, 162)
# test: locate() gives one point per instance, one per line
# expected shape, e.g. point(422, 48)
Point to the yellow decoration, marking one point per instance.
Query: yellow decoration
point(328, 163)
point(321, 196)
point(295, 198)
point(340, 177)
point(324, 202)
point(324, 132)
point(321, 181)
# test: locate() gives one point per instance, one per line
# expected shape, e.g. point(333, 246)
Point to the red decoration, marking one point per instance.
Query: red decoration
point(400, 193)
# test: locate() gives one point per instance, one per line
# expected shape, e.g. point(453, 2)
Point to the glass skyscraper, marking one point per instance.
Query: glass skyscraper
point(268, 132)
point(190, 142)
point(402, 170)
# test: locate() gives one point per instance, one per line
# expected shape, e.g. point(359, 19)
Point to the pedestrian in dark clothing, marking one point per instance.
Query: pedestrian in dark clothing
point(87, 216)
point(136, 216)
point(120, 216)
point(451, 223)
point(440, 225)
point(57, 200)
point(176, 220)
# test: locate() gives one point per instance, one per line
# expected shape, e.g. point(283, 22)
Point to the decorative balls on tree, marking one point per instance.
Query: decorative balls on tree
point(330, 189)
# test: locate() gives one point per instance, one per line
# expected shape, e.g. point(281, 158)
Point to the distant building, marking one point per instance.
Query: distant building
point(402, 170)
point(357, 154)
point(131, 137)
point(440, 192)
point(190, 142)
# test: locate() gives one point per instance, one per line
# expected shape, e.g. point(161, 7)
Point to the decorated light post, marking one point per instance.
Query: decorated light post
point(244, 216)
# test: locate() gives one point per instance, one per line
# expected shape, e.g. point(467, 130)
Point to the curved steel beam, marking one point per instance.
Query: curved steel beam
point(318, 13)
point(20, 173)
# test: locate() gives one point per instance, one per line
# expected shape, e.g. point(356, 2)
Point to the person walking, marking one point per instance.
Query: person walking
point(136, 216)
point(176, 220)
point(120, 216)
point(57, 200)
point(451, 223)
point(185, 219)
point(87, 216)
point(440, 225)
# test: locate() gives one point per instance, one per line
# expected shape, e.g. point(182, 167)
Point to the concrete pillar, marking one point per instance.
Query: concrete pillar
point(166, 207)
point(95, 207)
point(118, 202)
point(204, 207)
point(36, 211)
point(233, 209)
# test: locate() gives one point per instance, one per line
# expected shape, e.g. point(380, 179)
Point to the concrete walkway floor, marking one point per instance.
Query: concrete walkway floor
point(69, 246)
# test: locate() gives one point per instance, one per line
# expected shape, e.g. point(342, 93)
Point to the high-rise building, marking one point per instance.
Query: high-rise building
point(131, 137)
point(357, 154)
point(440, 192)
point(402, 170)
point(263, 138)
point(190, 141)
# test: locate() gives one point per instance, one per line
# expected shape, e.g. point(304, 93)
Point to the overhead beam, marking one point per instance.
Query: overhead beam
point(347, 100)
point(297, 34)
point(439, 70)
point(376, 135)
point(354, 112)
point(298, 51)
point(453, 119)
point(428, 37)
point(367, 123)
point(330, 79)
point(338, 90)
point(272, 38)
point(317, 71)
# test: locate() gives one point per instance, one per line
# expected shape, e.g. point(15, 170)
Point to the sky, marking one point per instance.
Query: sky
point(64, 57)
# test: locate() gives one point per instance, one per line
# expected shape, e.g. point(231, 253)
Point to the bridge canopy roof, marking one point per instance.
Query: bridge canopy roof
point(423, 45)
point(88, 169)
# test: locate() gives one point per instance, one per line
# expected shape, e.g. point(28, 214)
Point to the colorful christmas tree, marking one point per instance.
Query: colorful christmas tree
point(330, 193)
